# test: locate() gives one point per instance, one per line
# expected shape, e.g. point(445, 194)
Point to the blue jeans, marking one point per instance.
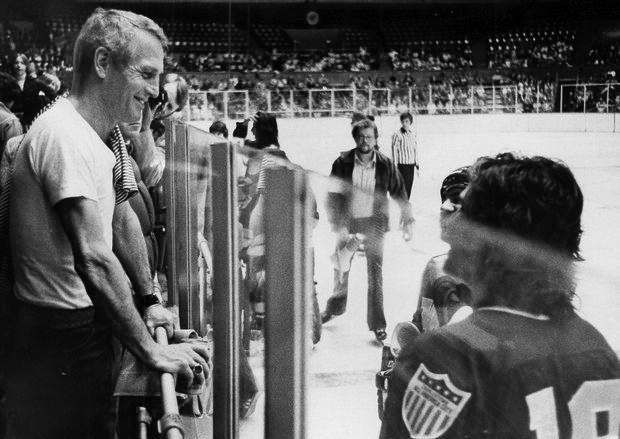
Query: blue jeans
point(59, 375)
point(337, 303)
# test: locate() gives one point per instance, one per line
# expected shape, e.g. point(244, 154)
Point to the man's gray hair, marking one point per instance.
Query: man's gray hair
point(115, 30)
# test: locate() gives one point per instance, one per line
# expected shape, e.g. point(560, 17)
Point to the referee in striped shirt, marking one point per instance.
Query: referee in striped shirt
point(405, 152)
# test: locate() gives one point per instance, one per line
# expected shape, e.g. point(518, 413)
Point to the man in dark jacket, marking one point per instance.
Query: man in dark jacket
point(359, 212)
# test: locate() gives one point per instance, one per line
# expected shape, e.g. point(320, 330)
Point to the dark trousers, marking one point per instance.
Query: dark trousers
point(59, 375)
point(408, 172)
point(337, 303)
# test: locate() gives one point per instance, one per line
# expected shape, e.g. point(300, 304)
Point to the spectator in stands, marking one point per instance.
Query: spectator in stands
point(20, 69)
point(178, 92)
point(19, 66)
point(39, 93)
point(9, 123)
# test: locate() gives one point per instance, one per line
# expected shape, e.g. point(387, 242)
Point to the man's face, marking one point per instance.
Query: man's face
point(456, 231)
point(130, 130)
point(449, 207)
point(129, 88)
point(171, 104)
point(18, 65)
point(405, 123)
point(366, 140)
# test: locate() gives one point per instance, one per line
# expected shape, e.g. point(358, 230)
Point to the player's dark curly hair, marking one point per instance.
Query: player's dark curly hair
point(537, 203)
point(266, 130)
point(534, 197)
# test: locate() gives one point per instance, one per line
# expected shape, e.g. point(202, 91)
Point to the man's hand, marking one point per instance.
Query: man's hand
point(407, 231)
point(342, 236)
point(180, 358)
point(157, 315)
point(147, 116)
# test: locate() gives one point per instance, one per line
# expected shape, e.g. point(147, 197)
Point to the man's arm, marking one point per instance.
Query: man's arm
point(107, 287)
point(150, 159)
point(130, 249)
point(395, 143)
point(11, 128)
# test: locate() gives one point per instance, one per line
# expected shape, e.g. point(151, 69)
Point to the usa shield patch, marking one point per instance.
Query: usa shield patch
point(431, 404)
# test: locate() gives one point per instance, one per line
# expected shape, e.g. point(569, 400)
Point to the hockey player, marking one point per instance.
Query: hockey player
point(524, 364)
point(443, 297)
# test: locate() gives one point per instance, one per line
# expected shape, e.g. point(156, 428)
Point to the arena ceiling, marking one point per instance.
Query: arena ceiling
point(330, 2)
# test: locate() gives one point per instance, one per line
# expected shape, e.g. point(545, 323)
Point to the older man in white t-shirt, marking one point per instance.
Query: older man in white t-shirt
point(75, 242)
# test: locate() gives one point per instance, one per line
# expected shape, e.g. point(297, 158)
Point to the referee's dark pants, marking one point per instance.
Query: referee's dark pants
point(407, 171)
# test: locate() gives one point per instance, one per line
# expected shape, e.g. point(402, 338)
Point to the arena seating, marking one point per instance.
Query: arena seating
point(534, 47)
point(203, 36)
point(272, 36)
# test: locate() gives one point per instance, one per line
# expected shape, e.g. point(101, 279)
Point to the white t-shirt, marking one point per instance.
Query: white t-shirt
point(61, 157)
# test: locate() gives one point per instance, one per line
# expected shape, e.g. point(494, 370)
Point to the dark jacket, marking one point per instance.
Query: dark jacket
point(387, 180)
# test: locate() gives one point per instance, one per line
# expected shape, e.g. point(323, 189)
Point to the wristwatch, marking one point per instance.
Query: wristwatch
point(147, 301)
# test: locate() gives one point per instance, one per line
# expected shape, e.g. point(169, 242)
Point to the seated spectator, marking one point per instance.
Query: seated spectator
point(35, 98)
point(9, 124)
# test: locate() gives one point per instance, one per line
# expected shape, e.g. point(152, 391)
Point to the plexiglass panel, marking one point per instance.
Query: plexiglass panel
point(367, 270)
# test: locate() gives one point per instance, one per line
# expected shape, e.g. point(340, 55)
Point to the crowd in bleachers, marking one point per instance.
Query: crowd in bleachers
point(274, 68)
point(531, 48)
point(276, 61)
point(604, 54)
point(432, 55)
point(47, 51)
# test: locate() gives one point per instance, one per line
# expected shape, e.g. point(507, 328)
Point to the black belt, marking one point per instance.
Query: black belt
point(56, 318)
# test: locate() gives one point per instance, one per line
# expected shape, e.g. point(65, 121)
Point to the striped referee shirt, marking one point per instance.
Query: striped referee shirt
point(404, 147)
point(268, 161)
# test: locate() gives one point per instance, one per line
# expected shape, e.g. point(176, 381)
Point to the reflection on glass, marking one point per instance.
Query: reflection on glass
point(342, 399)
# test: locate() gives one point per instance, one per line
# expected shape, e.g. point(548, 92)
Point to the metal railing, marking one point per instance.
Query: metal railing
point(433, 99)
point(590, 98)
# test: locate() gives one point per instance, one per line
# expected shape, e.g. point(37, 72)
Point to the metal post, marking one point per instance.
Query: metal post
point(181, 219)
point(226, 103)
point(430, 96)
point(473, 96)
point(170, 421)
point(452, 99)
point(269, 101)
point(289, 282)
point(247, 104)
point(585, 94)
point(292, 102)
point(389, 100)
point(538, 98)
point(410, 95)
point(169, 183)
point(226, 300)
point(333, 99)
point(310, 103)
point(369, 109)
point(561, 99)
point(493, 91)
point(607, 100)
